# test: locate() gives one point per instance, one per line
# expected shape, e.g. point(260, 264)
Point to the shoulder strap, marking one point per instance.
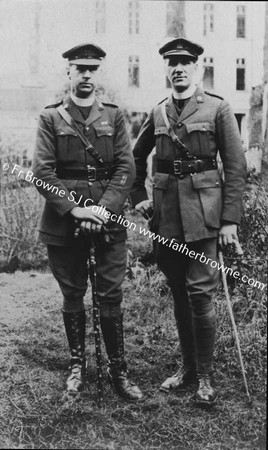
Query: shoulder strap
point(69, 120)
point(183, 149)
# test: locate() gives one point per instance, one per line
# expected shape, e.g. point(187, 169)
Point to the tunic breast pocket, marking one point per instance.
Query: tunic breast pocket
point(66, 140)
point(163, 142)
point(201, 137)
point(104, 141)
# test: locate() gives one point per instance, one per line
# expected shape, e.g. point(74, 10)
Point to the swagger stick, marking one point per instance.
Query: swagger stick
point(96, 318)
point(229, 304)
point(96, 311)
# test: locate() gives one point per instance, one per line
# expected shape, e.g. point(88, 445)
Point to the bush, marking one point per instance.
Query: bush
point(20, 208)
point(253, 238)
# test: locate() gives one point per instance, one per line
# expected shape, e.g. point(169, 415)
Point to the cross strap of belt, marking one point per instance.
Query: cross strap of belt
point(181, 168)
point(69, 120)
point(88, 174)
point(185, 152)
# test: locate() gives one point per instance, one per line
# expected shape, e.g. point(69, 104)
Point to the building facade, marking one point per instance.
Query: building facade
point(36, 32)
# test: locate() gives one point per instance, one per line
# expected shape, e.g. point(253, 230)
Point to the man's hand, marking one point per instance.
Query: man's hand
point(227, 234)
point(91, 221)
point(145, 208)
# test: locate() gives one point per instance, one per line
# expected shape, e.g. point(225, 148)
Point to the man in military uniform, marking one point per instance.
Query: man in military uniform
point(191, 204)
point(83, 158)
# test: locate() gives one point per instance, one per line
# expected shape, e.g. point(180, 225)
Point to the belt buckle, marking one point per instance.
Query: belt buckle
point(91, 173)
point(177, 164)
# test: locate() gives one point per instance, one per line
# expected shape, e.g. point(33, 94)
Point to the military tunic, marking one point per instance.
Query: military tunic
point(192, 207)
point(58, 145)
point(59, 149)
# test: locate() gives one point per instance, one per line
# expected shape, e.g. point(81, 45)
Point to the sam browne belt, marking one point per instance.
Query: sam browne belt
point(181, 167)
point(88, 174)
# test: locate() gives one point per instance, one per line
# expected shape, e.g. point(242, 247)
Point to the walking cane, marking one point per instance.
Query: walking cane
point(229, 304)
point(96, 318)
point(96, 314)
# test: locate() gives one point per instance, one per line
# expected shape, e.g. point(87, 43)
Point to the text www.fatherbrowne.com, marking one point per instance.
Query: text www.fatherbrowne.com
point(179, 247)
point(182, 248)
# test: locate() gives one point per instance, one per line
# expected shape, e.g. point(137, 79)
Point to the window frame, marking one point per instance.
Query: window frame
point(208, 63)
point(208, 18)
point(100, 17)
point(134, 71)
point(241, 15)
point(240, 69)
point(133, 17)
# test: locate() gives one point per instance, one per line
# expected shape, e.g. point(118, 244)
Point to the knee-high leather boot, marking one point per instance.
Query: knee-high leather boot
point(75, 323)
point(186, 375)
point(112, 330)
point(205, 334)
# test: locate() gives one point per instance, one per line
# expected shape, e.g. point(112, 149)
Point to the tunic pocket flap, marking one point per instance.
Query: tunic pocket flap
point(207, 179)
point(65, 131)
point(104, 130)
point(161, 181)
point(161, 130)
point(200, 126)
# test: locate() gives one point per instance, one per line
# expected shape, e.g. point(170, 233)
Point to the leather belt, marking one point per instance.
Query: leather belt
point(88, 174)
point(181, 167)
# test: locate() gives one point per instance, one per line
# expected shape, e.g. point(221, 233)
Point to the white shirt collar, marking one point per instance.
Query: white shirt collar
point(83, 101)
point(185, 94)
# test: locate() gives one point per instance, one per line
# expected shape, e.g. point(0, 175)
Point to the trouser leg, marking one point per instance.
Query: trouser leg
point(69, 266)
point(172, 265)
point(111, 268)
point(201, 281)
point(193, 284)
point(111, 320)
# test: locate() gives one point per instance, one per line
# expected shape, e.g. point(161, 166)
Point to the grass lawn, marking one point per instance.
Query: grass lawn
point(36, 414)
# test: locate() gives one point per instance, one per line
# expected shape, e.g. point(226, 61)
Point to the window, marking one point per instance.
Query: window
point(133, 17)
point(208, 78)
point(175, 18)
point(134, 71)
point(240, 74)
point(208, 18)
point(241, 21)
point(100, 17)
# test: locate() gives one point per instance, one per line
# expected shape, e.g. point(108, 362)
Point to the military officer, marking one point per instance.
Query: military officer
point(83, 159)
point(191, 204)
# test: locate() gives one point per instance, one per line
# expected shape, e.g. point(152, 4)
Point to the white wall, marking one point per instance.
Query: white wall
point(65, 23)
point(225, 48)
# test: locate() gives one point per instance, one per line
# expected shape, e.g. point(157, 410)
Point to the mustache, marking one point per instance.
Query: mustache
point(178, 75)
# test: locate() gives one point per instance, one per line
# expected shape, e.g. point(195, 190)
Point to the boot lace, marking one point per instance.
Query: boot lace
point(205, 384)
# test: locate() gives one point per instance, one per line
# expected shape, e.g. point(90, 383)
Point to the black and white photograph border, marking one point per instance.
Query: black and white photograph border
point(36, 410)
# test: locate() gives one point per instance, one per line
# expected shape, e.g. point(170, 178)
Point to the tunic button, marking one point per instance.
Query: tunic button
point(179, 125)
point(87, 128)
